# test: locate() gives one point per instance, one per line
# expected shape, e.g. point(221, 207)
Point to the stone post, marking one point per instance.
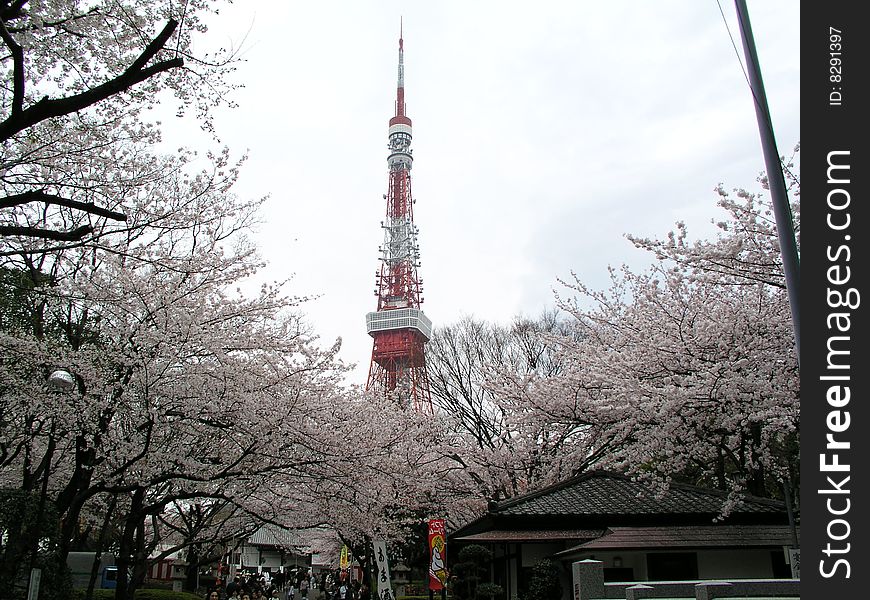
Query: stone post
point(713, 589)
point(639, 591)
point(588, 579)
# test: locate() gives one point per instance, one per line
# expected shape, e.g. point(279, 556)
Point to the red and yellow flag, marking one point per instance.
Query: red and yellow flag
point(437, 555)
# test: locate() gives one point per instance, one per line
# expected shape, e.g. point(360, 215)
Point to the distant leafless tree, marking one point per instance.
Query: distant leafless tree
point(462, 359)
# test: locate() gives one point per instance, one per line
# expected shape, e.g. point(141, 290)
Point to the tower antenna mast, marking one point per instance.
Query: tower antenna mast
point(398, 327)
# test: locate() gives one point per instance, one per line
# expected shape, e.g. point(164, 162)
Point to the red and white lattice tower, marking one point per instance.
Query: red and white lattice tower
point(398, 326)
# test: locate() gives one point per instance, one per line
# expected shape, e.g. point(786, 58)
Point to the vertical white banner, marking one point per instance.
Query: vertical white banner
point(33, 588)
point(385, 590)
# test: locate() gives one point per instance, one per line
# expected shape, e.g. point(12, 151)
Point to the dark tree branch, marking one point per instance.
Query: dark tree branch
point(47, 234)
point(48, 108)
point(40, 196)
point(13, 11)
point(17, 69)
point(152, 48)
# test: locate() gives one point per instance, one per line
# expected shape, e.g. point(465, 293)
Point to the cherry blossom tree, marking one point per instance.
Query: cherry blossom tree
point(198, 411)
point(747, 253)
point(683, 371)
point(76, 165)
point(93, 298)
point(686, 370)
point(78, 80)
point(190, 393)
point(701, 376)
point(747, 249)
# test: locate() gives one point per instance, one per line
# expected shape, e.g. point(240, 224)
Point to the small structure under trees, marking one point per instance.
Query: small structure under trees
point(640, 533)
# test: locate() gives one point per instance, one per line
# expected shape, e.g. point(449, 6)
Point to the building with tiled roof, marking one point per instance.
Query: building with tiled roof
point(271, 549)
point(638, 534)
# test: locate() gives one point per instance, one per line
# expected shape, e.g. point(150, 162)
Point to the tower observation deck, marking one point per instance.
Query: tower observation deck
point(398, 327)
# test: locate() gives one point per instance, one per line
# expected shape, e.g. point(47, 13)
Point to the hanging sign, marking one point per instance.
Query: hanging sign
point(385, 589)
point(343, 560)
point(437, 555)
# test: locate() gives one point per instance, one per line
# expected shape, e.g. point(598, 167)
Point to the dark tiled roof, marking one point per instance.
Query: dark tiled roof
point(699, 536)
point(536, 535)
point(603, 493)
point(270, 535)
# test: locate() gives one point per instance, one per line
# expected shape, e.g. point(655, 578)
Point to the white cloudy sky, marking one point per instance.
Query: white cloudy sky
point(543, 132)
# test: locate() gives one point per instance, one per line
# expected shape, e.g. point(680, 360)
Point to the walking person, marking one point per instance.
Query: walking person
point(233, 586)
point(342, 592)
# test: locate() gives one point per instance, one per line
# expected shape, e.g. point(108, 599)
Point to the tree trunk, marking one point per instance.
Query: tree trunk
point(98, 551)
point(127, 547)
point(191, 580)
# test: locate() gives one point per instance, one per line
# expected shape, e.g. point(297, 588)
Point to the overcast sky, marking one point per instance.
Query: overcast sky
point(543, 132)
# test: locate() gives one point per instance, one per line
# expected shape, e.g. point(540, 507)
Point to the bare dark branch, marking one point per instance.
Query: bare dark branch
point(48, 108)
point(40, 196)
point(13, 11)
point(17, 69)
point(47, 234)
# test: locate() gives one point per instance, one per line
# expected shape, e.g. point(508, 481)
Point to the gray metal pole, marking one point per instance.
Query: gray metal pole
point(781, 207)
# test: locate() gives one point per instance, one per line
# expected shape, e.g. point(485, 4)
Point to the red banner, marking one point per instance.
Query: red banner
point(437, 555)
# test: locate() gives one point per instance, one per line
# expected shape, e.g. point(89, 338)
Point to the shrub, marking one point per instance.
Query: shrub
point(470, 574)
point(151, 594)
point(143, 594)
point(79, 594)
point(544, 584)
point(490, 591)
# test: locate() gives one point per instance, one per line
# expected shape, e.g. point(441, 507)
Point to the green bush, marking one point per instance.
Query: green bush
point(98, 594)
point(544, 584)
point(165, 595)
point(30, 527)
point(470, 575)
point(139, 595)
point(489, 591)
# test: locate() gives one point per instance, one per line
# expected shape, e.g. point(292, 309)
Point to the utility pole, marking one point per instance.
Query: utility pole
point(781, 207)
point(784, 219)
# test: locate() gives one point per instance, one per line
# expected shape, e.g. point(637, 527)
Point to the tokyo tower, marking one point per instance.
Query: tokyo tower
point(398, 327)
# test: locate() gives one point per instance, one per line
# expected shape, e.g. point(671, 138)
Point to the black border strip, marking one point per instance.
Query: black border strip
point(835, 227)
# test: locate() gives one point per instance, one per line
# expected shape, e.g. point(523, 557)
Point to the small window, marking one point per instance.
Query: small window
point(672, 566)
point(618, 574)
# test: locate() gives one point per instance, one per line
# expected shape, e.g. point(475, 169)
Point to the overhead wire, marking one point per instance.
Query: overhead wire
point(755, 99)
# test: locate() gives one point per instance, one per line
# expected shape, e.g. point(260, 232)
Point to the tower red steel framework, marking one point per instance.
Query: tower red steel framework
point(399, 328)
